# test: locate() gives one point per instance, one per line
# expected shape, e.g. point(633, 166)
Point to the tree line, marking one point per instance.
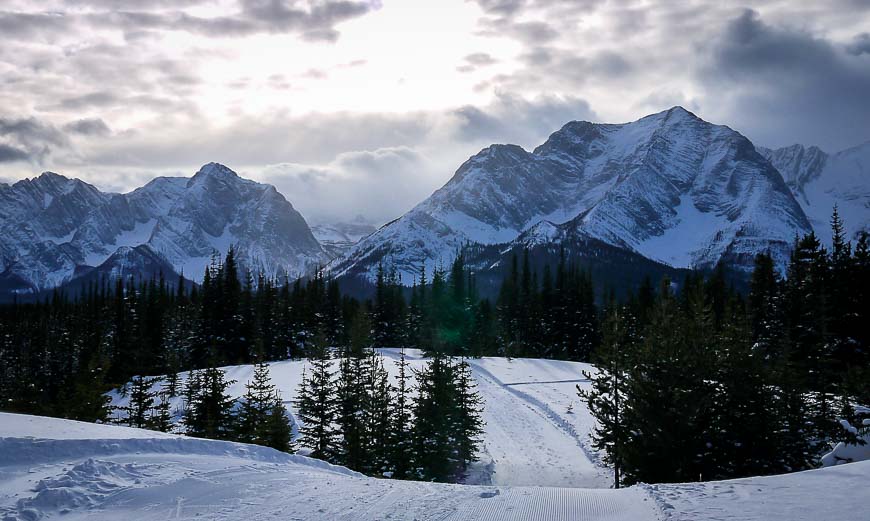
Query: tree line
point(59, 356)
point(682, 360)
point(706, 384)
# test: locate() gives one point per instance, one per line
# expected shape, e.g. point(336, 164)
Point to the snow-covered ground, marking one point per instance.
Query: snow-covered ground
point(51, 468)
point(529, 438)
point(536, 464)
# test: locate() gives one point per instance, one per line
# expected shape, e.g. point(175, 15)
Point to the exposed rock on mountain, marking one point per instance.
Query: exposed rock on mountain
point(670, 187)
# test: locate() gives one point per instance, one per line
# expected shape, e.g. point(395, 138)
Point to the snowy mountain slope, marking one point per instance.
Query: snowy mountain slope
point(337, 238)
point(612, 268)
point(140, 263)
point(51, 226)
point(819, 181)
point(670, 186)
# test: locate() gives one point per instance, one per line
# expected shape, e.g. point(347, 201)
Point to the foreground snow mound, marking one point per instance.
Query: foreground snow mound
point(124, 474)
point(49, 467)
point(85, 485)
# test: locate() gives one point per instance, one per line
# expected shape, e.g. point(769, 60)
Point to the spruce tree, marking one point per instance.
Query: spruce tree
point(468, 423)
point(434, 444)
point(402, 443)
point(141, 402)
point(161, 418)
point(376, 416)
point(277, 432)
point(262, 418)
point(605, 397)
point(354, 373)
point(669, 395)
point(316, 403)
point(210, 413)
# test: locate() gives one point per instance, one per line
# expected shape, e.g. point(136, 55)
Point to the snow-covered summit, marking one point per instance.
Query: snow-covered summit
point(51, 227)
point(670, 186)
point(820, 180)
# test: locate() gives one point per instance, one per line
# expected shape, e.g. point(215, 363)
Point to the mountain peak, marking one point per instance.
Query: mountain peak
point(677, 113)
point(48, 175)
point(215, 171)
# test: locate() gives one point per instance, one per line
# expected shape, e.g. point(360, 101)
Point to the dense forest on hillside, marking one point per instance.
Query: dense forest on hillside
point(697, 379)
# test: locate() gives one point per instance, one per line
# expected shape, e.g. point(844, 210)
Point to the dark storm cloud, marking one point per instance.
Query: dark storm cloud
point(88, 127)
point(501, 7)
point(94, 99)
point(26, 26)
point(564, 69)
point(861, 45)
point(9, 154)
point(777, 76)
point(786, 85)
point(511, 119)
point(29, 139)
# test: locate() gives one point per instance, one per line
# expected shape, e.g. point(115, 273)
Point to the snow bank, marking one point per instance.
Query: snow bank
point(59, 440)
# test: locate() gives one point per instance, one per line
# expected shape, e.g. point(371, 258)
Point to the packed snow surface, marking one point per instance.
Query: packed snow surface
point(536, 464)
point(51, 468)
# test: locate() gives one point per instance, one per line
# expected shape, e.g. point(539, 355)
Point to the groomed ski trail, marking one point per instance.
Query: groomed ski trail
point(528, 443)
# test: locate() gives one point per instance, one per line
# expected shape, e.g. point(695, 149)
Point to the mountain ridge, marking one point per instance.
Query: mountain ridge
point(642, 185)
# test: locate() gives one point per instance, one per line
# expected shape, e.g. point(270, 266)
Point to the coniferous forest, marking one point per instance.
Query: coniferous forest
point(744, 383)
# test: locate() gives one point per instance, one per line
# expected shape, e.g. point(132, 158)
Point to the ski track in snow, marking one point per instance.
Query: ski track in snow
point(527, 450)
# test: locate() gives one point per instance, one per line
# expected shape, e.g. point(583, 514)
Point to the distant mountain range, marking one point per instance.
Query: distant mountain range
point(667, 192)
point(54, 229)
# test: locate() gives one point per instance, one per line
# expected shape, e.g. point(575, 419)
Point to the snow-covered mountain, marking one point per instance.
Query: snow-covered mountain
point(52, 228)
point(670, 187)
point(820, 180)
point(337, 238)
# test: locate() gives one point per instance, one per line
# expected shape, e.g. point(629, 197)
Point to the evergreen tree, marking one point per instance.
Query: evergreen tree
point(141, 402)
point(669, 395)
point(402, 443)
point(161, 417)
point(605, 397)
point(262, 418)
point(317, 403)
point(434, 445)
point(354, 373)
point(376, 416)
point(468, 423)
point(210, 412)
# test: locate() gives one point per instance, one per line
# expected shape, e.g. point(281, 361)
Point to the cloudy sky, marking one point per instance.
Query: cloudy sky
point(364, 107)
